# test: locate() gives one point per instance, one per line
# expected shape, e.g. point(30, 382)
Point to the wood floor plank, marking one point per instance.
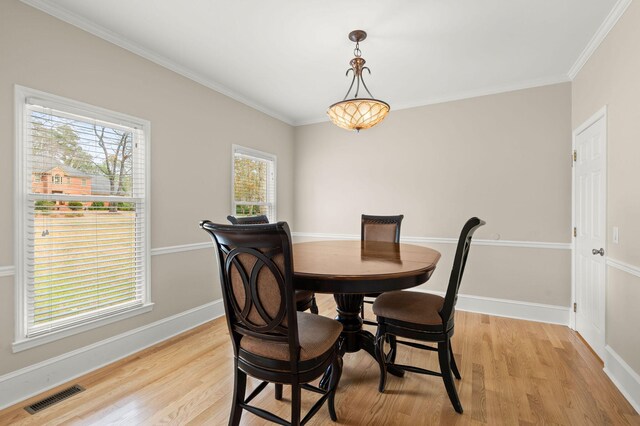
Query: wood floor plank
point(513, 373)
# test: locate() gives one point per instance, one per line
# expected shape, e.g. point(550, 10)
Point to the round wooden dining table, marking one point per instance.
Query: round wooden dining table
point(350, 269)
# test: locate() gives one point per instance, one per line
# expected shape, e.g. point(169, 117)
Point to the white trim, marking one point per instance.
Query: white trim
point(159, 251)
point(493, 90)
point(572, 314)
point(438, 240)
point(108, 35)
point(601, 113)
point(35, 379)
point(111, 37)
point(606, 26)
point(180, 248)
point(31, 342)
point(7, 271)
point(595, 117)
point(22, 95)
point(622, 375)
point(261, 155)
point(625, 267)
point(529, 311)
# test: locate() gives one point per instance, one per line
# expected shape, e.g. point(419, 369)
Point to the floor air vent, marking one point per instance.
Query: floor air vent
point(57, 397)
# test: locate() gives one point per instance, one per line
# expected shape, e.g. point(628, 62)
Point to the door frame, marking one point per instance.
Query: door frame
point(600, 114)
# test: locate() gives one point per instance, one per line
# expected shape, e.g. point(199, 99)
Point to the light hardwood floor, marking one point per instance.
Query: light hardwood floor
point(513, 373)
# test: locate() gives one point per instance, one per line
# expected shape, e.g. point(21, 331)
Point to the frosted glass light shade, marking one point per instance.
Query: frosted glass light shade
point(359, 113)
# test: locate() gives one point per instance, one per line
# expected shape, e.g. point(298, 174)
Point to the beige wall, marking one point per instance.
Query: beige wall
point(612, 77)
point(192, 130)
point(503, 158)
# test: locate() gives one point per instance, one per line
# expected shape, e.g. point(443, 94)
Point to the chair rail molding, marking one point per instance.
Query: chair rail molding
point(445, 240)
point(180, 248)
point(7, 271)
point(625, 267)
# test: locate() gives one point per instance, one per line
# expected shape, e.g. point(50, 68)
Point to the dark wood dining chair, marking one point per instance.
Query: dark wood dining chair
point(425, 317)
point(271, 340)
point(378, 228)
point(305, 299)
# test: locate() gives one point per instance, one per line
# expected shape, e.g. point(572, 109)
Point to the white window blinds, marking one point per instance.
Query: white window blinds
point(84, 215)
point(254, 183)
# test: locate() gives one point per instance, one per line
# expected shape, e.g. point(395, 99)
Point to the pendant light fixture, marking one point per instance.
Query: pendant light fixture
point(358, 113)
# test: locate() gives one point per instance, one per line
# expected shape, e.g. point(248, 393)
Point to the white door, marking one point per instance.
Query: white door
point(590, 221)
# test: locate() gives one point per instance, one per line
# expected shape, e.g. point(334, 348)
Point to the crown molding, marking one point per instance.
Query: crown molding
point(114, 38)
point(608, 24)
point(486, 91)
point(110, 36)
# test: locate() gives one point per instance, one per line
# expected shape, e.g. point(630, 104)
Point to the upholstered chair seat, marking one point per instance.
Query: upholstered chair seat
point(410, 306)
point(317, 336)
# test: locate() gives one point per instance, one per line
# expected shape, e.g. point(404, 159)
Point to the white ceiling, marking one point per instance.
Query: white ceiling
point(288, 57)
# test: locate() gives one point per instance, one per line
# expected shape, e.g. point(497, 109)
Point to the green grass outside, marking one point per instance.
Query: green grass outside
point(85, 252)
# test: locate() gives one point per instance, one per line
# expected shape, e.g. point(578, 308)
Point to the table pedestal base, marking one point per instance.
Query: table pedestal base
point(354, 337)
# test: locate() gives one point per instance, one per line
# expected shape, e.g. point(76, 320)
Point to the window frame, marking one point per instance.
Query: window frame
point(260, 155)
point(23, 186)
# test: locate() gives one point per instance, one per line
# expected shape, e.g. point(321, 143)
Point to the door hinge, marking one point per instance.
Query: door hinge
point(575, 232)
point(575, 155)
point(575, 307)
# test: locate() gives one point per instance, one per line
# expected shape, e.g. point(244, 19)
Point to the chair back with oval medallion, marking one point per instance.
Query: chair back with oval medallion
point(256, 274)
point(257, 283)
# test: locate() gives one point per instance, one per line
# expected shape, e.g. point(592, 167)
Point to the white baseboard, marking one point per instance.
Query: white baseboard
point(539, 312)
point(30, 381)
point(626, 380)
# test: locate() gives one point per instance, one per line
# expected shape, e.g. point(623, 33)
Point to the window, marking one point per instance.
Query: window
point(84, 251)
point(254, 183)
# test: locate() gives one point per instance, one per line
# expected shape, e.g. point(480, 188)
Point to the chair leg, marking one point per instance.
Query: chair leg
point(296, 405)
point(393, 348)
point(445, 368)
point(362, 310)
point(336, 372)
point(381, 358)
point(239, 387)
point(314, 306)
point(278, 391)
point(454, 367)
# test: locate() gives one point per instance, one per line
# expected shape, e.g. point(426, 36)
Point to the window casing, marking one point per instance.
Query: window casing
point(82, 250)
point(253, 189)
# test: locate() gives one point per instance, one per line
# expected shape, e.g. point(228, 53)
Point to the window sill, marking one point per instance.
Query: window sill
point(31, 342)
